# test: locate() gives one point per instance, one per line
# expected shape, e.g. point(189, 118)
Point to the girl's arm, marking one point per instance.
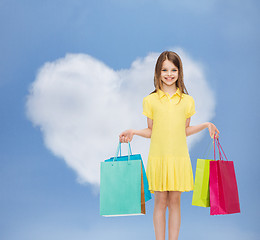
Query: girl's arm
point(195, 129)
point(127, 135)
point(147, 132)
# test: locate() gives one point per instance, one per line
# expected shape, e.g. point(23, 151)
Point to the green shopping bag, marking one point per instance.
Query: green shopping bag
point(121, 188)
point(201, 195)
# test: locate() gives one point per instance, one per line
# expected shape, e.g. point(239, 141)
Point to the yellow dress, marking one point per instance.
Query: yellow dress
point(169, 166)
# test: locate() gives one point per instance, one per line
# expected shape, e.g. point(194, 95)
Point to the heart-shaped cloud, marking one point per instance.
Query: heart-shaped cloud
point(81, 106)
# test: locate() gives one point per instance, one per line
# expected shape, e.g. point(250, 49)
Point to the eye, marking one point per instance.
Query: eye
point(174, 70)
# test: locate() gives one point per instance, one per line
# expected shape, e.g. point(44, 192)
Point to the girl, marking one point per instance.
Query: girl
point(168, 110)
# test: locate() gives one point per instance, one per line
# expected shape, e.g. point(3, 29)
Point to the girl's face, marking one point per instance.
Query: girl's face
point(169, 73)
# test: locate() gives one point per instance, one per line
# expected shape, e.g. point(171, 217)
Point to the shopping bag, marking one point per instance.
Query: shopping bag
point(121, 187)
point(224, 198)
point(147, 192)
point(200, 196)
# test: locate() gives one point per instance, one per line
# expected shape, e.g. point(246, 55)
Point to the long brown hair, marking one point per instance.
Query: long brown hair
point(176, 60)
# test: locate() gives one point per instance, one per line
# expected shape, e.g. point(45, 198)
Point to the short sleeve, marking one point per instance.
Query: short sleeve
point(191, 108)
point(147, 108)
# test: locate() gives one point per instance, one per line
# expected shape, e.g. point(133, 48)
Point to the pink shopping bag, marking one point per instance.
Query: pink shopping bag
point(224, 197)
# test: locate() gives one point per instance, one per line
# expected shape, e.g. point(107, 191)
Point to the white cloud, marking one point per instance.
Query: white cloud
point(81, 106)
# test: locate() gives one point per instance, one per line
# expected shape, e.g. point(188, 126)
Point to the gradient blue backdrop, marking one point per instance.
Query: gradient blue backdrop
point(39, 195)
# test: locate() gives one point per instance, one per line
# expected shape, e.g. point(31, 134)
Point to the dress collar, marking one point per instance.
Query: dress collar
point(162, 93)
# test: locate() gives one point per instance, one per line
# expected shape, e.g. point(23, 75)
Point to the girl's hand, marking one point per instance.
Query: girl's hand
point(213, 130)
point(126, 136)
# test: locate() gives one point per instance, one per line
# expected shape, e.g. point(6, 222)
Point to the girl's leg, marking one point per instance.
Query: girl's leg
point(174, 209)
point(160, 205)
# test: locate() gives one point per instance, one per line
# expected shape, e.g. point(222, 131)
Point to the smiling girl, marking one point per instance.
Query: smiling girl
point(168, 110)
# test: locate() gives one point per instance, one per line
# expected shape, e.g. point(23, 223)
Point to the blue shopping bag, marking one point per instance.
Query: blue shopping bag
point(122, 186)
point(147, 192)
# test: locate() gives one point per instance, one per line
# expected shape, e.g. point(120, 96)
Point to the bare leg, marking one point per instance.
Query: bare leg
point(160, 205)
point(174, 208)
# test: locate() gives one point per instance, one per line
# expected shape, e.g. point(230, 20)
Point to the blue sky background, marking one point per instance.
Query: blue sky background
point(39, 195)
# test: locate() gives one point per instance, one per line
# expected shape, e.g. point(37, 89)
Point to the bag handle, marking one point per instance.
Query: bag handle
point(213, 143)
point(219, 145)
point(119, 148)
point(209, 150)
point(219, 152)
